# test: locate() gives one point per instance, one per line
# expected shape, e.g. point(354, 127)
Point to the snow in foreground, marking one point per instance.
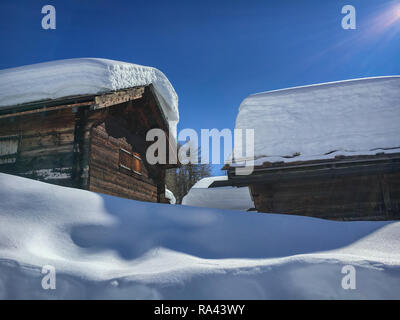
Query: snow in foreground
point(353, 117)
point(106, 247)
point(82, 76)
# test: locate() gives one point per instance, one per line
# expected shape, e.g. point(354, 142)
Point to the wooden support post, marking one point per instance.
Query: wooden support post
point(78, 178)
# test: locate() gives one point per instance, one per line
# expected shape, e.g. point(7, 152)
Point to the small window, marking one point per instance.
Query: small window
point(125, 159)
point(130, 161)
point(137, 163)
point(8, 149)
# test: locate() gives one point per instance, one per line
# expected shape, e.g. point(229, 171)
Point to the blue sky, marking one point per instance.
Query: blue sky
point(215, 53)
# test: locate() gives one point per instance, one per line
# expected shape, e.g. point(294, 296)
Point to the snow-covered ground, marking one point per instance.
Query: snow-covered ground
point(71, 77)
point(200, 195)
point(353, 117)
point(107, 247)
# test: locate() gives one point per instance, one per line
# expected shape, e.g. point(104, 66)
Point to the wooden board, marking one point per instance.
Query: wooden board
point(107, 176)
point(112, 99)
point(45, 145)
point(368, 197)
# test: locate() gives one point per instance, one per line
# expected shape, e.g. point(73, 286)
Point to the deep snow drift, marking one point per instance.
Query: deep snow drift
point(107, 247)
point(200, 195)
point(71, 77)
point(353, 117)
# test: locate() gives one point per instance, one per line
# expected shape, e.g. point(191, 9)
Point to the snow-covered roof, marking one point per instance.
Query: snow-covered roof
point(230, 198)
point(206, 182)
point(352, 117)
point(64, 78)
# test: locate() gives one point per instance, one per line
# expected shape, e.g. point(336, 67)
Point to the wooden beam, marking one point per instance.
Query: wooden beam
point(98, 102)
point(110, 99)
point(311, 173)
point(337, 161)
point(44, 109)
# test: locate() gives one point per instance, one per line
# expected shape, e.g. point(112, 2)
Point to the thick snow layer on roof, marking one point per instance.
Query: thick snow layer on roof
point(352, 117)
point(106, 247)
point(230, 198)
point(63, 78)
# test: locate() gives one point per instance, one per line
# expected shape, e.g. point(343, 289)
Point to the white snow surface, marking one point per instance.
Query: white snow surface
point(232, 198)
point(170, 196)
point(108, 247)
point(206, 182)
point(352, 117)
point(71, 77)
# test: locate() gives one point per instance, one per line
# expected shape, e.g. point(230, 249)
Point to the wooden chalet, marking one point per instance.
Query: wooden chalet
point(343, 188)
point(355, 127)
point(92, 142)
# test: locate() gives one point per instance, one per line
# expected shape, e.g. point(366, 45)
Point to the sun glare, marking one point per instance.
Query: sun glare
point(387, 20)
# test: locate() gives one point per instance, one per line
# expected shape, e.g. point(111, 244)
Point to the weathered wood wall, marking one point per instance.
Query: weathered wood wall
point(124, 126)
point(368, 197)
point(80, 147)
point(107, 176)
point(45, 147)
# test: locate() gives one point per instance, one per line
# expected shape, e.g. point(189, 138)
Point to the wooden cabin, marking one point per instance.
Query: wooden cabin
point(93, 142)
point(328, 151)
point(343, 188)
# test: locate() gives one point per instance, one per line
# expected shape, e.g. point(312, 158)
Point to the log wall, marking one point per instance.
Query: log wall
point(368, 197)
point(45, 146)
point(107, 176)
point(80, 146)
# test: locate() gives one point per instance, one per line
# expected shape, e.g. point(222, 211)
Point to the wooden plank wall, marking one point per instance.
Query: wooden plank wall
point(79, 147)
point(45, 150)
point(125, 126)
point(106, 176)
point(369, 197)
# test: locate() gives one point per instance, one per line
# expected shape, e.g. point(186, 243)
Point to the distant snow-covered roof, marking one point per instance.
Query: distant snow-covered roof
point(63, 78)
point(351, 117)
point(206, 182)
point(230, 198)
point(170, 196)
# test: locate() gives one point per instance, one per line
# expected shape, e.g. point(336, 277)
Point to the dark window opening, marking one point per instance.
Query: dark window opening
point(8, 149)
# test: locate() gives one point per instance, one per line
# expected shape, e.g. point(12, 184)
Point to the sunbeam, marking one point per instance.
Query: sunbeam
point(387, 19)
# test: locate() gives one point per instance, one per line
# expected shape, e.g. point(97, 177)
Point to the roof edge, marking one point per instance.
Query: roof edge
point(39, 104)
point(325, 84)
